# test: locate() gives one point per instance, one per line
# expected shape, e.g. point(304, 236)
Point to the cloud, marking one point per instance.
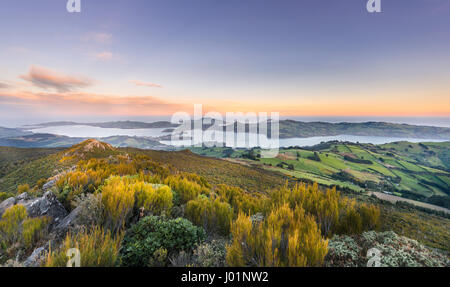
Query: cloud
point(4, 86)
point(88, 104)
point(104, 56)
point(145, 84)
point(48, 79)
point(102, 38)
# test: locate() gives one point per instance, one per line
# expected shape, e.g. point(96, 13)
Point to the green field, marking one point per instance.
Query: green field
point(416, 171)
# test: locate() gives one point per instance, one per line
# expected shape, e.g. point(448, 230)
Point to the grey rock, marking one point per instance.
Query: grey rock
point(23, 196)
point(47, 205)
point(70, 221)
point(7, 204)
point(49, 185)
point(36, 258)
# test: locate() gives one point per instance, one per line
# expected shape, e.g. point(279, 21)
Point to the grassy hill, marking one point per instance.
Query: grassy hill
point(30, 165)
point(416, 171)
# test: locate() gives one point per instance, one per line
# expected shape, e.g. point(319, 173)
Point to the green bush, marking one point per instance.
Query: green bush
point(154, 233)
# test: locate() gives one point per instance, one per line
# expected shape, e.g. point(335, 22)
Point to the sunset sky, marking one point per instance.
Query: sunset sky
point(297, 57)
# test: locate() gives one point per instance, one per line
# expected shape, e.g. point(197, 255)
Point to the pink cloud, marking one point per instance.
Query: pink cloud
point(88, 103)
point(104, 56)
point(146, 84)
point(102, 38)
point(48, 79)
point(4, 86)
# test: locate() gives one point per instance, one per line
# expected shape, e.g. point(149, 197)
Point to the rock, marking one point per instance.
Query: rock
point(36, 258)
point(70, 221)
point(23, 196)
point(48, 185)
point(47, 205)
point(7, 204)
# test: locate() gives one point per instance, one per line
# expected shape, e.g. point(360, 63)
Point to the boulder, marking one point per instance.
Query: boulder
point(49, 184)
point(7, 204)
point(69, 222)
point(36, 258)
point(47, 205)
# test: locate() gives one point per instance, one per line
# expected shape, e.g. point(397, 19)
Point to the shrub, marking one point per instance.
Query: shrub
point(395, 251)
point(152, 233)
point(34, 229)
point(4, 196)
point(10, 224)
point(212, 254)
point(239, 199)
point(98, 248)
point(118, 199)
point(16, 227)
point(186, 190)
point(286, 238)
point(212, 214)
point(333, 213)
point(154, 201)
point(123, 195)
point(91, 209)
point(23, 188)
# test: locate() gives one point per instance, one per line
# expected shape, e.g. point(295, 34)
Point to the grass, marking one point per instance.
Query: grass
point(398, 167)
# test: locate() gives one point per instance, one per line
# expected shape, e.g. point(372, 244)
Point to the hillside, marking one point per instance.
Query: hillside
point(416, 171)
point(91, 183)
point(50, 141)
point(298, 129)
point(289, 129)
point(33, 165)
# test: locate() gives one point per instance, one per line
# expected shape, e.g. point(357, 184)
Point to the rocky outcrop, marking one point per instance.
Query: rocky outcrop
point(6, 204)
point(49, 184)
point(67, 223)
point(47, 205)
point(36, 258)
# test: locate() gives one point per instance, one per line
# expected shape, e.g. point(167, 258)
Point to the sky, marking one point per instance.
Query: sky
point(302, 58)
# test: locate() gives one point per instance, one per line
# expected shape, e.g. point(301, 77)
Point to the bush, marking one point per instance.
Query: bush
point(23, 188)
point(333, 212)
point(91, 209)
point(10, 224)
point(395, 251)
point(212, 215)
point(4, 196)
point(34, 229)
point(212, 254)
point(123, 195)
point(153, 233)
point(157, 201)
point(239, 199)
point(286, 238)
point(186, 189)
point(16, 227)
point(98, 248)
point(118, 200)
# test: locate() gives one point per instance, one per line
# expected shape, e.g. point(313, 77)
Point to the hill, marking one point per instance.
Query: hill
point(293, 129)
point(415, 171)
point(93, 158)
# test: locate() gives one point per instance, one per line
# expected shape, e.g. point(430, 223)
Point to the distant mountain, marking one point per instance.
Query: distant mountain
point(290, 129)
point(293, 129)
point(49, 141)
point(117, 125)
point(8, 132)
